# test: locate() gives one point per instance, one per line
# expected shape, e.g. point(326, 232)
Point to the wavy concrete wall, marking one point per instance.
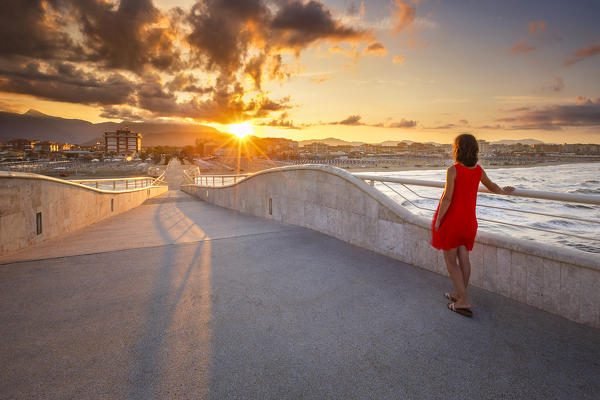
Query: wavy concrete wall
point(332, 201)
point(64, 207)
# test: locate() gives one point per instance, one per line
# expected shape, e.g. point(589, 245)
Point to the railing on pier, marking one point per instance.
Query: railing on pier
point(393, 183)
point(402, 190)
point(218, 180)
point(120, 184)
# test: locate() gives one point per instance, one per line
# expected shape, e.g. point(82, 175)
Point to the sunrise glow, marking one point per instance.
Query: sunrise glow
point(240, 130)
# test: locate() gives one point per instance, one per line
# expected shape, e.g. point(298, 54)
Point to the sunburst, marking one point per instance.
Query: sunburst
point(241, 130)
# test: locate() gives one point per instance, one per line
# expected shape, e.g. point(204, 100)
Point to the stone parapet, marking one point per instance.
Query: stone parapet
point(34, 208)
point(333, 201)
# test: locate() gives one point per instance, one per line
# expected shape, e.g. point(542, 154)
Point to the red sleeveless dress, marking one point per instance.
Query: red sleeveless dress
point(459, 224)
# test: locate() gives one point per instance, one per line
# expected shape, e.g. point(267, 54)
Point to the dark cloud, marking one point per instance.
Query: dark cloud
point(585, 112)
point(65, 82)
point(351, 120)
point(583, 53)
point(122, 113)
point(281, 122)
point(187, 83)
point(375, 48)
point(356, 120)
point(403, 123)
point(297, 25)
point(31, 28)
point(127, 36)
point(116, 53)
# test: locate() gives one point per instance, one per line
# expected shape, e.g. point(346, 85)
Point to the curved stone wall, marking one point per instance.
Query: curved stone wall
point(333, 201)
point(64, 207)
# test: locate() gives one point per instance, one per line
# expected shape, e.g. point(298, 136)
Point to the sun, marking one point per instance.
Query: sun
point(240, 130)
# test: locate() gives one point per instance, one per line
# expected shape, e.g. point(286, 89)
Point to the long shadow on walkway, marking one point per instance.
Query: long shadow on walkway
point(276, 312)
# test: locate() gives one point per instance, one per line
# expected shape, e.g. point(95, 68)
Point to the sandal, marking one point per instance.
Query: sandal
point(462, 311)
point(450, 297)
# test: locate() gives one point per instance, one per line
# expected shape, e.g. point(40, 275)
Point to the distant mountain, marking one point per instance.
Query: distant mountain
point(339, 142)
point(522, 141)
point(330, 142)
point(35, 125)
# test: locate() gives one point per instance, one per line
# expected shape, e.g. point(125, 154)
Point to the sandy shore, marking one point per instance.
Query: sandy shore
point(438, 167)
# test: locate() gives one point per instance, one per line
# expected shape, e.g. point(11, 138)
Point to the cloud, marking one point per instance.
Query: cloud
point(583, 53)
point(281, 122)
point(403, 16)
point(375, 48)
point(398, 60)
point(64, 82)
point(556, 86)
point(537, 26)
point(297, 25)
point(585, 112)
point(521, 48)
point(114, 53)
point(351, 120)
point(321, 79)
point(132, 36)
point(403, 123)
point(30, 28)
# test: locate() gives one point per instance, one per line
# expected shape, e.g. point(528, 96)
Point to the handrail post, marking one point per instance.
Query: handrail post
point(114, 185)
point(372, 183)
point(126, 184)
point(222, 181)
point(213, 181)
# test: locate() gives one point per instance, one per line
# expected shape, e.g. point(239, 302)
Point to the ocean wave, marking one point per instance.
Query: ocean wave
point(585, 191)
point(578, 206)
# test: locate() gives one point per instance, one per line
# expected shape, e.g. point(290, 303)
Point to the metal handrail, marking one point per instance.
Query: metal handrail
point(208, 179)
point(144, 181)
point(533, 194)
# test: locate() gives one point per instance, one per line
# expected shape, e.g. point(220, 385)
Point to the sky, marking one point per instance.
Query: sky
point(370, 70)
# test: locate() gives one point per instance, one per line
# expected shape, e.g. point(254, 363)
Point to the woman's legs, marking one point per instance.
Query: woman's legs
point(458, 278)
point(464, 263)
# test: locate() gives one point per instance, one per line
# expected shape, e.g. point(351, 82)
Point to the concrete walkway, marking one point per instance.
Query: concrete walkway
point(184, 300)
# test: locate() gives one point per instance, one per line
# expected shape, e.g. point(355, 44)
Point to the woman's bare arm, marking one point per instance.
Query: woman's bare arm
point(487, 182)
point(447, 197)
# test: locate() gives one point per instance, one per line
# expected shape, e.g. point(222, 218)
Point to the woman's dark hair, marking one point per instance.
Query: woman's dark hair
point(466, 149)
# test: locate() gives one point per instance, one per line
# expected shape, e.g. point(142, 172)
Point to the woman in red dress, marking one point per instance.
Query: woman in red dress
point(454, 224)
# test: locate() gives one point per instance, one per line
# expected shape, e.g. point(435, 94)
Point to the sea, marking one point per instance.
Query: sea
point(582, 234)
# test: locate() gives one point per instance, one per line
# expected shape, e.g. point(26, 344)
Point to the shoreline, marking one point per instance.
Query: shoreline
point(414, 167)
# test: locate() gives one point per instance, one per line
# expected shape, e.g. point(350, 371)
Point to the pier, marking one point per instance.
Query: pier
point(181, 298)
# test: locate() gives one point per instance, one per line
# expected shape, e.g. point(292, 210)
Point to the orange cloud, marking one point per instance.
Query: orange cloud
point(537, 26)
point(583, 53)
point(375, 48)
point(521, 48)
point(398, 60)
point(403, 16)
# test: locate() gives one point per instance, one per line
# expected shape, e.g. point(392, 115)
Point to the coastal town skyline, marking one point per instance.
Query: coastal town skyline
point(365, 71)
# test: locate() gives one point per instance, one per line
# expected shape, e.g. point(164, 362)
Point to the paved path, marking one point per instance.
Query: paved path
point(179, 299)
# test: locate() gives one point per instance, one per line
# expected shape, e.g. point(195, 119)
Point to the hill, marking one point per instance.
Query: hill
point(35, 125)
point(522, 141)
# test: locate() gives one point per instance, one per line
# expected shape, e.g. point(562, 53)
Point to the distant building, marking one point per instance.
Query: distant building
point(317, 148)
point(45, 145)
point(122, 141)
